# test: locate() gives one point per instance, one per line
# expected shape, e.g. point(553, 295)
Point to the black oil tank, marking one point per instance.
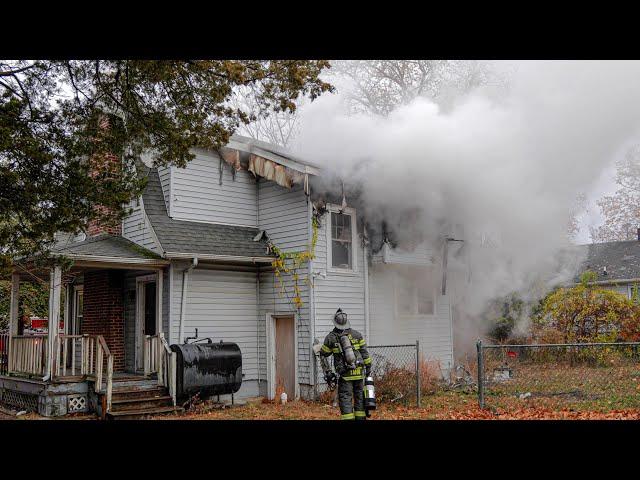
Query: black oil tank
point(208, 368)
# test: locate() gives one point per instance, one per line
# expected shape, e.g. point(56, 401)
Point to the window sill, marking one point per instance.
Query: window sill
point(342, 271)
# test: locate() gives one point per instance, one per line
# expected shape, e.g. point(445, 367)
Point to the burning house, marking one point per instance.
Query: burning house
point(247, 246)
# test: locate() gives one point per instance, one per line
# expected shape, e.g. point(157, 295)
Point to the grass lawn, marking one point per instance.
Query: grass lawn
point(559, 386)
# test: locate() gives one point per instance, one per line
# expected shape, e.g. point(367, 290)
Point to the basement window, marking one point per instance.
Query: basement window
point(341, 239)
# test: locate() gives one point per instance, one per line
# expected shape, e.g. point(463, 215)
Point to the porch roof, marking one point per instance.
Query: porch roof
point(107, 248)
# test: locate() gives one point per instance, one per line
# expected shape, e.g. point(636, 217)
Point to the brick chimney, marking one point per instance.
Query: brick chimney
point(101, 164)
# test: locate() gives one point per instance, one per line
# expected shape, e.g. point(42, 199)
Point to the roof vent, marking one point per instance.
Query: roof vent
point(604, 270)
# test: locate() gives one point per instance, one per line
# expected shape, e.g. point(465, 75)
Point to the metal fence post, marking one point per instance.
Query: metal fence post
point(480, 373)
point(419, 390)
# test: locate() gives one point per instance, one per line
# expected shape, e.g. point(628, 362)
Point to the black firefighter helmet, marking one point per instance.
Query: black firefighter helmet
point(340, 320)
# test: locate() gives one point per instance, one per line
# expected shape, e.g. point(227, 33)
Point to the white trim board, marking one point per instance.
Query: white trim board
point(332, 208)
point(270, 319)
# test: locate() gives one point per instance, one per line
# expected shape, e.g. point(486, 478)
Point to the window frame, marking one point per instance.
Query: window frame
point(335, 209)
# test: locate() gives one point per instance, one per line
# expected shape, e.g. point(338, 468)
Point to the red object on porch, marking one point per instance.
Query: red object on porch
point(38, 322)
point(512, 354)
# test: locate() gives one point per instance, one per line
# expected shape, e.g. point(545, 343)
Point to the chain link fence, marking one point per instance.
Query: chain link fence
point(398, 374)
point(578, 376)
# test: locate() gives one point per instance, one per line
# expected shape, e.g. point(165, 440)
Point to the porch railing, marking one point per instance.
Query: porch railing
point(85, 356)
point(159, 359)
point(4, 353)
point(28, 355)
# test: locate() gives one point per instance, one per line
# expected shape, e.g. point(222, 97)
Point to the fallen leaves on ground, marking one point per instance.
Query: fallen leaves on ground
point(435, 408)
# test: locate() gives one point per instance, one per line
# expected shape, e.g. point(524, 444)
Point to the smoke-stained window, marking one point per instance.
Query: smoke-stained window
point(425, 303)
point(341, 241)
point(415, 293)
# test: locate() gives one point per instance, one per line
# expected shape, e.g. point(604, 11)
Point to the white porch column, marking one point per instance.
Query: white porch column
point(15, 300)
point(159, 349)
point(159, 301)
point(55, 287)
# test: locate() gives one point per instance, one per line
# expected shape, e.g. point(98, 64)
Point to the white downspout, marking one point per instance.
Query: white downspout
point(312, 292)
point(366, 294)
point(183, 308)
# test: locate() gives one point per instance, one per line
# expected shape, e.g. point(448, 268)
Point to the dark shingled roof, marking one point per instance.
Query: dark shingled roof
point(104, 246)
point(180, 236)
point(622, 260)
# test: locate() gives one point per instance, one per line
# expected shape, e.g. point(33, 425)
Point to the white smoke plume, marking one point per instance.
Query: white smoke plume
point(507, 167)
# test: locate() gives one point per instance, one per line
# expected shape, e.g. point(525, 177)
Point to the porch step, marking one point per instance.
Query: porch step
point(141, 403)
point(137, 392)
point(139, 414)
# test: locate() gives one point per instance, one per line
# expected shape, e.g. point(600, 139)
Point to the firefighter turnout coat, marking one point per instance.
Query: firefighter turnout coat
point(350, 383)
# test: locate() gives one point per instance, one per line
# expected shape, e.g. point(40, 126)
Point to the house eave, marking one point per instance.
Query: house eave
point(119, 260)
point(609, 282)
point(221, 258)
point(287, 162)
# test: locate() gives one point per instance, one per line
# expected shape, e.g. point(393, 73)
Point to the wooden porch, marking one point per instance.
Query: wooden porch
point(67, 365)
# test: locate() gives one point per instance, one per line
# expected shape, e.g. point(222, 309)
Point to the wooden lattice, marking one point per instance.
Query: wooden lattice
point(76, 403)
point(20, 400)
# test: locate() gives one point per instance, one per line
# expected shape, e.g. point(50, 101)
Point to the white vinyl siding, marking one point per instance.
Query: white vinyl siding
point(221, 304)
point(283, 214)
point(337, 289)
point(165, 181)
point(137, 228)
point(389, 325)
point(197, 195)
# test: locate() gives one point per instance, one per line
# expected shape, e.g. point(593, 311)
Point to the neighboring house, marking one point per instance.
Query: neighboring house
point(616, 264)
point(193, 257)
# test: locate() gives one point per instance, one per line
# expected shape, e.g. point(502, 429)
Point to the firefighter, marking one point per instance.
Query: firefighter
point(350, 357)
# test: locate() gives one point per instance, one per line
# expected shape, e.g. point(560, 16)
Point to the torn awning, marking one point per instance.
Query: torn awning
point(268, 169)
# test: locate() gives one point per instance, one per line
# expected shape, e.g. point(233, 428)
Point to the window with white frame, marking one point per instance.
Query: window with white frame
point(341, 239)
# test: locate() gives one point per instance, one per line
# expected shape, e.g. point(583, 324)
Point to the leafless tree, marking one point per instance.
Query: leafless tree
point(279, 128)
point(621, 210)
point(379, 86)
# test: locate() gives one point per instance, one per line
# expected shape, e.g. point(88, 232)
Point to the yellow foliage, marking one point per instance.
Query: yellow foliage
point(288, 263)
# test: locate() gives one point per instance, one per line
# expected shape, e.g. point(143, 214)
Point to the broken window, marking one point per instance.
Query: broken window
point(341, 241)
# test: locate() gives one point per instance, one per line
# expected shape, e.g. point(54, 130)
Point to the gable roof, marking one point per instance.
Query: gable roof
point(185, 238)
point(622, 260)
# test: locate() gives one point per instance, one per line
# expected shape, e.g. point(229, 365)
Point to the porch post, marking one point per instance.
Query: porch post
point(13, 316)
point(159, 301)
point(159, 349)
point(55, 287)
point(15, 301)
